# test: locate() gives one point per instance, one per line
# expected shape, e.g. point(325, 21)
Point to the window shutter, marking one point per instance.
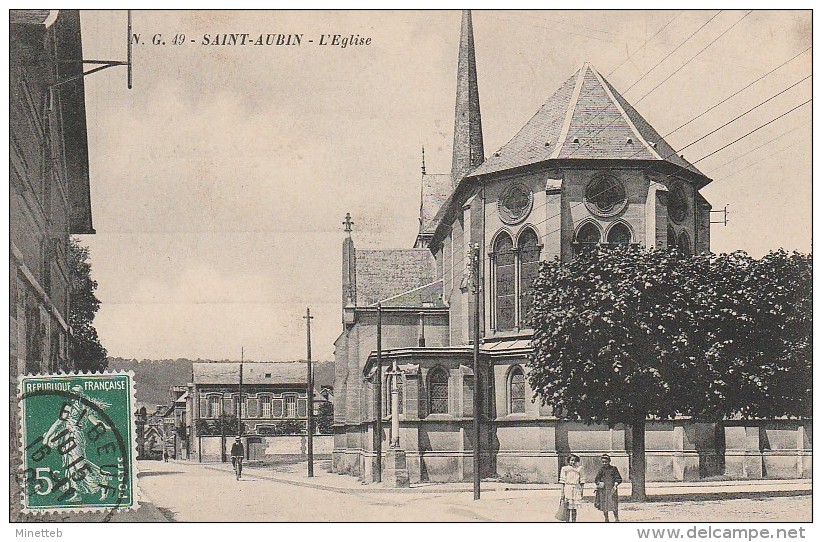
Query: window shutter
point(276, 408)
point(228, 406)
point(203, 407)
point(252, 408)
point(302, 408)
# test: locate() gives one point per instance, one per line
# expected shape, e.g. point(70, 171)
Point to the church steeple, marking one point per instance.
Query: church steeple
point(468, 150)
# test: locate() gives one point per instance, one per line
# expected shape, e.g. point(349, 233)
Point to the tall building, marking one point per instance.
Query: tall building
point(586, 170)
point(48, 185)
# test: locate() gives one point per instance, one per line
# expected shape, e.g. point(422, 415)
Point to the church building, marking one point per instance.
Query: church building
point(587, 169)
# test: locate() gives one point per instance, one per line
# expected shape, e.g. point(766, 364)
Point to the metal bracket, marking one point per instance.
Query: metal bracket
point(724, 220)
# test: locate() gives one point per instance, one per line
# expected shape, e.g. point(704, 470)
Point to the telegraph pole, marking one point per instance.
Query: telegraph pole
point(378, 394)
point(310, 390)
point(240, 404)
point(475, 282)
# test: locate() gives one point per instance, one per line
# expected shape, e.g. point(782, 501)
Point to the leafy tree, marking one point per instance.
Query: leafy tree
point(626, 334)
point(85, 351)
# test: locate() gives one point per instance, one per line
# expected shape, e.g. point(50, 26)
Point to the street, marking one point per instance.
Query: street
point(192, 492)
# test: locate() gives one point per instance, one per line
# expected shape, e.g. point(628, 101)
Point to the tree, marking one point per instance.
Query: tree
point(85, 351)
point(623, 335)
point(324, 421)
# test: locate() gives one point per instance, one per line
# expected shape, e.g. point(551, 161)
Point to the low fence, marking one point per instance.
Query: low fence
point(281, 447)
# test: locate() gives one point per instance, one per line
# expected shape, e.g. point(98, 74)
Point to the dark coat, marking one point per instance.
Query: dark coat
point(607, 497)
point(237, 450)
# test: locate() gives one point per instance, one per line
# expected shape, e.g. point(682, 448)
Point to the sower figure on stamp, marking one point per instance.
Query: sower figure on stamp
point(571, 479)
point(607, 481)
point(66, 435)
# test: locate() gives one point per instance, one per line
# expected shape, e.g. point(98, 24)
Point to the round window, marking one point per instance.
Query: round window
point(677, 204)
point(515, 203)
point(605, 195)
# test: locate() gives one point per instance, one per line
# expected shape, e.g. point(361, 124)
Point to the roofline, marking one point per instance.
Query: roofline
point(407, 291)
point(700, 180)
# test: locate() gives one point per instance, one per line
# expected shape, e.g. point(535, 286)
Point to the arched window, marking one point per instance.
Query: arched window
point(671, 238)
point(214, 406)
point(588, 237)
point(684, 244)
point(438, 391)
point(505, 285)
point(619, 234)
point(528, 271)
point(516, 390)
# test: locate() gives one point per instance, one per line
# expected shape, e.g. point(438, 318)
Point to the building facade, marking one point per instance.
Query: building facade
point(274, 402)
point(586, 170)
point(48, 184)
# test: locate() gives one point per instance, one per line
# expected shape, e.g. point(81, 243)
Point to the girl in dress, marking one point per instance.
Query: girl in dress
point(571, 479)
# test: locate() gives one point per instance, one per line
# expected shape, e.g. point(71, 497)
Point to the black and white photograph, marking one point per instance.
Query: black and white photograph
point(412, 265)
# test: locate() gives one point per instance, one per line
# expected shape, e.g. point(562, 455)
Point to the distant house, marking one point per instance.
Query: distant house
point(274, 402)
point(174, 422)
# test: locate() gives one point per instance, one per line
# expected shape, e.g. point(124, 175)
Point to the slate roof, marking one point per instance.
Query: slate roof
point(588, 109)
point(382, 274)
point(429, 295)
point(436, 187)
point(253, 373)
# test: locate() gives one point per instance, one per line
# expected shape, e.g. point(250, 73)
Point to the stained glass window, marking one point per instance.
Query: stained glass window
point(505, 286)
point(605, 195)
point(528, 272)
point(671, 238)
point(517, 390)
point(587, 238)
point(438, 391)
point(684, 244)
point(677, 204)
point(619, 234)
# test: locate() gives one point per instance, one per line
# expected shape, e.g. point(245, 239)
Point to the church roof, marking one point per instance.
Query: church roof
point(586, 118)
point(429, 295)
point(253, 373)
point(382, 274)
point(436, 187)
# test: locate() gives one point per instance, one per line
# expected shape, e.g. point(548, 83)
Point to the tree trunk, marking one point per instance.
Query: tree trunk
point(638, 461)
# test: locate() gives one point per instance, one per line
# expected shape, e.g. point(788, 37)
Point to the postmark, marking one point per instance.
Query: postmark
point(77, 444)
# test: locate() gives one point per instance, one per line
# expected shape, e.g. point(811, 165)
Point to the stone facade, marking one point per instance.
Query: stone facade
point(49, 184)
point(586, 170)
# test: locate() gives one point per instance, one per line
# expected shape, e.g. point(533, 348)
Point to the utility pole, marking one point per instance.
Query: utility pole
point(240, 403)
point(475, 283)
point(310, 390)
point(378, 395)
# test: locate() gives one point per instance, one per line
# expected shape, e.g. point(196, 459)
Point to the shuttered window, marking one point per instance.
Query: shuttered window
point(277, 408)
point(265, 407)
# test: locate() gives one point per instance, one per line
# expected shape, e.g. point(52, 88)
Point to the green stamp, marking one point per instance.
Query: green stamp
point(78, 442)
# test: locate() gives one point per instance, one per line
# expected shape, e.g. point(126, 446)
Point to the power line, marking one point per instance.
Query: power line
point(674, 51)
point(754, 130)
point(692, 58)
point(737, 92)
point(783, 134)
point(760, 104)
point(644, 44)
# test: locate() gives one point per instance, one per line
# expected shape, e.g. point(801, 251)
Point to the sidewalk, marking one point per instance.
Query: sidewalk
point(296, 474)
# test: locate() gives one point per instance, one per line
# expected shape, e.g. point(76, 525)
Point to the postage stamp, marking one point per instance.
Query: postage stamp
point(77, 442)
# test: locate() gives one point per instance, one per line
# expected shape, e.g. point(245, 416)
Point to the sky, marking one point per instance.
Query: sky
point(219, 182)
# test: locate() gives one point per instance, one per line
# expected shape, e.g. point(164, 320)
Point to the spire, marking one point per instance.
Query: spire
point(468, 149)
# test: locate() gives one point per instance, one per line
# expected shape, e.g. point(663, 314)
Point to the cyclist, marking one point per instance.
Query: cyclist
point(237, 454)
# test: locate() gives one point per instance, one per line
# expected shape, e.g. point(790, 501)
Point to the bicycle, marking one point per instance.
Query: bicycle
point(237, 463)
